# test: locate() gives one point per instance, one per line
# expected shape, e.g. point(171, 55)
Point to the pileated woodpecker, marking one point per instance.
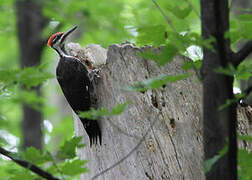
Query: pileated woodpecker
point(73, 77)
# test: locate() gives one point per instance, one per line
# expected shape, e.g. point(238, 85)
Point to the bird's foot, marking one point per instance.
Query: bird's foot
point(94, 73)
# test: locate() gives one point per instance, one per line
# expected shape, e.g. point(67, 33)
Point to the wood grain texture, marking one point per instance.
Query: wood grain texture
point(173, 147)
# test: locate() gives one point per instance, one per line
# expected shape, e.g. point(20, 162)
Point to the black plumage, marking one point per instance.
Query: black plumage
point(73, 78)
point(75, 83)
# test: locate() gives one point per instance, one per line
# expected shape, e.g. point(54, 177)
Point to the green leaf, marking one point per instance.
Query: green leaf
point(180, 12)
point(68, 150)
point(192, 64)
point(167, 53)
point(33, 76)
point(245, 28)
point(95, 114)
point(24, 174)
point(244, 164)
point(229, 70)
point(30, 76)
point(28, 97)
point(242, 72)
point(210, 162)
point(245, 17)
point(245, 137)
point(151, 35)
point(236, 98)
point(8, 76)
point(74, 167)
point(33, 156)
point(156, 83)
point(119, 109)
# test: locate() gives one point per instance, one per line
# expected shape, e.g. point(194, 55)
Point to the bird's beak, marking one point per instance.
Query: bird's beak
point(63, 38)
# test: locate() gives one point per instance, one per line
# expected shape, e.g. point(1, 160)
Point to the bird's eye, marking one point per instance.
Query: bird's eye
point(56, 38)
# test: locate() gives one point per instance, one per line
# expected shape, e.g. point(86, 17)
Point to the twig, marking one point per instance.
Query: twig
point(130, 153)
point(246, 93)
point(238, 57)
point(122, 131)
point(193, 8)
point(165, 16)
point(28, 165)
point(55, 165)
point(174, 29)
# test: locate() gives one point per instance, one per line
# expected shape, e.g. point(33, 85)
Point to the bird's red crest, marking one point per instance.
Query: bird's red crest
point(49, 42)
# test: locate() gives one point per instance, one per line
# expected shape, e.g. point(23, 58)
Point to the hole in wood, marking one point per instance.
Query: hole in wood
point(172, 123)
point(154, 101)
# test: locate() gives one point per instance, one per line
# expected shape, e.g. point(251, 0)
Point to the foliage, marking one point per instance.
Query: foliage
point(67, 151)
point(244, 164)
point(245, 137)
point(242, 72)
point(236, 99)
point(177, 30)
point(29, 76)
point(96, 114)
point(192, 64)
point(156, 83)
point(210, 162)
point(166, 55)
point(68, 166)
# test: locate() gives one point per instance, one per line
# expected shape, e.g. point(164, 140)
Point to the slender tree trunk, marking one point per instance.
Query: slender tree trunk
point(219, 125)
point(30, 23)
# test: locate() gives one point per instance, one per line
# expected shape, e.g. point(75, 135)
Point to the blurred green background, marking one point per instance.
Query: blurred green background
point(103, 22)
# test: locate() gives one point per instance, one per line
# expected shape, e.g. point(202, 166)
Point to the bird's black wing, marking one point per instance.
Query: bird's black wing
point(75, 84)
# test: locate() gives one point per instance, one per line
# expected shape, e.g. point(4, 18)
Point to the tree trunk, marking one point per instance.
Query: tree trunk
point(219, 126)
point(30, 23)
point(171, 117)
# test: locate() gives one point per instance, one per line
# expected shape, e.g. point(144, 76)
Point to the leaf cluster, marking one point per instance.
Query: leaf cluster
point(95, 114)
point(156, 82)
point(64, 164)
point(29, 76)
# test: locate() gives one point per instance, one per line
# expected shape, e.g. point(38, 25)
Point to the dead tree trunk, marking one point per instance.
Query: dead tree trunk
point(171, 116)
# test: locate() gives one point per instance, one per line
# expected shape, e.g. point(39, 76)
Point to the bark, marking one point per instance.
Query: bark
point(219, 126)
point(172, 149)
point(30, 23)
point(171, 116)
point(244, 126)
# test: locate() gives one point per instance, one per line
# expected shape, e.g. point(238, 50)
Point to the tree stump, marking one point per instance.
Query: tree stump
point(171, 116)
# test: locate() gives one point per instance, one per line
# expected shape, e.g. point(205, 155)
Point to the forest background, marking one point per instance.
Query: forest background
point(30, 98)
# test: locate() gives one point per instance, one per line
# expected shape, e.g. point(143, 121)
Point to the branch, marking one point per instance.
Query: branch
point(169, 21)
point(27, 165)
point(246, 92)
point(122, 131)
point(238, 57)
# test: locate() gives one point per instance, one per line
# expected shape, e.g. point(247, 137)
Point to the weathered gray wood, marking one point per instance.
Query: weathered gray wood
point(173, 147)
